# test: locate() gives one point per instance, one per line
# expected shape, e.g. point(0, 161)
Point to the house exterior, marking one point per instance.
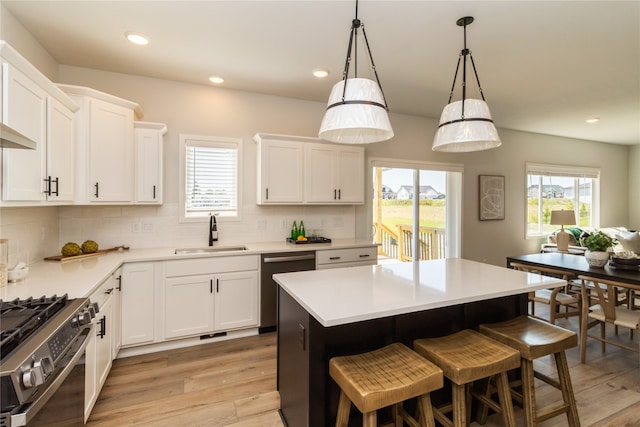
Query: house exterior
point(548, 191)
point(405, 192)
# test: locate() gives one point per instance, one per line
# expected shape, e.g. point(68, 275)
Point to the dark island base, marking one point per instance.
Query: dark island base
point(308, 395)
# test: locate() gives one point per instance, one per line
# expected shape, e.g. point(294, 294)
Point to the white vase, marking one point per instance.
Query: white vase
point(596, 258)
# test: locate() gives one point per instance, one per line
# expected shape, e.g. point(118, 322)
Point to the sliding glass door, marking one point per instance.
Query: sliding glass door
point(416, 210)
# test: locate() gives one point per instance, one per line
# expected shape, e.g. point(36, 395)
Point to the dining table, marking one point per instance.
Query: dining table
point(577, 265)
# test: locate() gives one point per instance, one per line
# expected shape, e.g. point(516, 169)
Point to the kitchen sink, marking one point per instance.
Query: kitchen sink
point(210, 249)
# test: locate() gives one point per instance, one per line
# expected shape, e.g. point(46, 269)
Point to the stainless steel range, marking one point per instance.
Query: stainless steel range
point(42, 340)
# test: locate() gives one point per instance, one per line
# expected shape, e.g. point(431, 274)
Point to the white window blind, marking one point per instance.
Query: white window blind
point(210, 177)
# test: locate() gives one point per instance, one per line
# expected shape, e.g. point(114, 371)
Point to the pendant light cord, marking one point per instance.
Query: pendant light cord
point(353, 37)
point(463, 22)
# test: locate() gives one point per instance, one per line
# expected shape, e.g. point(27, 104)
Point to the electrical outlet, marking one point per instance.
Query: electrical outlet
point(135, 227)
point(148, 227)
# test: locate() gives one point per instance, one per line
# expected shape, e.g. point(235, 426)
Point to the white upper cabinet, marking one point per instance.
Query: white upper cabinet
point(148, 162)
point(104, 146)
point(280, 170)
point(36, 108)
point(333, 174)
point(300, 170)
point(60, 180)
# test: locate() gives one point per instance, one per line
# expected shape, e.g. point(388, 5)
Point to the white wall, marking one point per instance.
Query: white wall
point(634, 187)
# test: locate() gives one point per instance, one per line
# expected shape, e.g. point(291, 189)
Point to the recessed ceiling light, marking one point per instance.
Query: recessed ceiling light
point(136, 38)
point(217, 80)
point(320, 73)
point(593, 120)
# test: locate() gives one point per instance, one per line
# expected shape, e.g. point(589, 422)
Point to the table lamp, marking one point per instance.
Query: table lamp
point(562, 218)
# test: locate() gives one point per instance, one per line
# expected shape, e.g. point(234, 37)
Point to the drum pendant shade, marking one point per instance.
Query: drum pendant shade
point(466, 125)
point(473, 133)
point(361, 118)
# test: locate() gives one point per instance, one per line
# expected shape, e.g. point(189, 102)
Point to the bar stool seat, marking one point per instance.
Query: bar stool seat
point(467, 356)
point(533, 339)
point(384, 377)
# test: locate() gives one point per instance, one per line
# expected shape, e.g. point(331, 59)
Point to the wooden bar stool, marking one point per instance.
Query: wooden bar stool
point(465, 357)
point(384, 377)
point(533, 339)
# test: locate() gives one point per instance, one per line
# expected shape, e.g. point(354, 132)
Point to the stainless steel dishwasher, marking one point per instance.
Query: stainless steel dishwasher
point(273, 263)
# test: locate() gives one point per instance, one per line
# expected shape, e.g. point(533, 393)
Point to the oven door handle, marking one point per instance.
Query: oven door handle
point(78, 348)
point(290, 258)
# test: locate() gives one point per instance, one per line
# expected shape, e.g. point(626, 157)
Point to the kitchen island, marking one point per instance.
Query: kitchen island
point(327, 313)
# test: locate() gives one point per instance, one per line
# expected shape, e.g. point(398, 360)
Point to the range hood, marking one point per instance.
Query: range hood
point(10, 138)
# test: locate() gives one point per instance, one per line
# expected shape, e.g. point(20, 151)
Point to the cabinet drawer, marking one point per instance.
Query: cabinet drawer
point(188, 267)
point(103, 293)
point(339, 256)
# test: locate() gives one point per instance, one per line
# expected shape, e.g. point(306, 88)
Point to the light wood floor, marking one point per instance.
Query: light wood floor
point(233, 383)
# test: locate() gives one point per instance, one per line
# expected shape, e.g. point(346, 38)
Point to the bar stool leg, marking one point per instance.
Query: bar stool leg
point(528, 393)
point(370, 419)
point(344, 408)
point(504, 394)
point(459, 396)
point(426, 411)
point(567, 389)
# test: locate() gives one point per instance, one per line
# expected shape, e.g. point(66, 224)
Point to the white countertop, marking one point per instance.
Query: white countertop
point(79, 278)
point(347, 295)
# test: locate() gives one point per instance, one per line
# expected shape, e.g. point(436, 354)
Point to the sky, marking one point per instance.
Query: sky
point(395, 178)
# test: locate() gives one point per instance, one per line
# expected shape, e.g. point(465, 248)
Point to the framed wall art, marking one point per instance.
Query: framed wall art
point(491, 197)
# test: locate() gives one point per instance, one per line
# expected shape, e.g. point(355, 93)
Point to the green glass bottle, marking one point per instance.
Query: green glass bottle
point(294, 231)
point(301, 230)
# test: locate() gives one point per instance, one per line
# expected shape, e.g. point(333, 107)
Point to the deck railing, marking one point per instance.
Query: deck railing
point(431, 242)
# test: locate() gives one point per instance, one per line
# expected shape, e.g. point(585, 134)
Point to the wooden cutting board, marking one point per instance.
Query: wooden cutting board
point(63, 258)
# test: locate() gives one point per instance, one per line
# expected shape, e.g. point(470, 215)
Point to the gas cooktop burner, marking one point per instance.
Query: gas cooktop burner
point(20, 318)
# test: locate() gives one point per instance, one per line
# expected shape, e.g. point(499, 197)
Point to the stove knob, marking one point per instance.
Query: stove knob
point(95, 307)
point(33, 377)
point(84, 318)
point(45, 364)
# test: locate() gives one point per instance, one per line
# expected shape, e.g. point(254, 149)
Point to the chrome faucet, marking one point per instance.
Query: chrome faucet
point(213, 229)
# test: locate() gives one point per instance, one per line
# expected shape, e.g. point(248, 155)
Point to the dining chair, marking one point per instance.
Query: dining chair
point(599, 307)
point(555, 298)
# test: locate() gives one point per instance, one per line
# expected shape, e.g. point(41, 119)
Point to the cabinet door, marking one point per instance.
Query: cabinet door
point(24, 109)
point(60, 151)
point(110, 152)
point(236, 300)
point(320, 174)
point(350, 168)
point(281, 172)
point(98, 355)
point(104, 335)
point(148, 166)
point(138, 304)
point(188, 306)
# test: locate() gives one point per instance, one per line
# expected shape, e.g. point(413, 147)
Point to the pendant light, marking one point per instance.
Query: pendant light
point(357, 111)
point(466, 125)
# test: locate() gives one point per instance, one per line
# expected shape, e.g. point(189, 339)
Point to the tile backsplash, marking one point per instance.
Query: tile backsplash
point(159, 226)
point(37, 232)
point(33, 233)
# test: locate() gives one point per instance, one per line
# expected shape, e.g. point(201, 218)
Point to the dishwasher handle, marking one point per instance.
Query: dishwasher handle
point(290, 258)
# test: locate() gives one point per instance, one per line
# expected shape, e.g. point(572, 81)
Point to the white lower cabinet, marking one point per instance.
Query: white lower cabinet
point(236, 300)
point(222, 295)
point(138, 288)
point(188, 308)
point(99, 353)
point(347, 257)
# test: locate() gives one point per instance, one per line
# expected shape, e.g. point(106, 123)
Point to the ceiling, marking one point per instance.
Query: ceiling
point(545, 66)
